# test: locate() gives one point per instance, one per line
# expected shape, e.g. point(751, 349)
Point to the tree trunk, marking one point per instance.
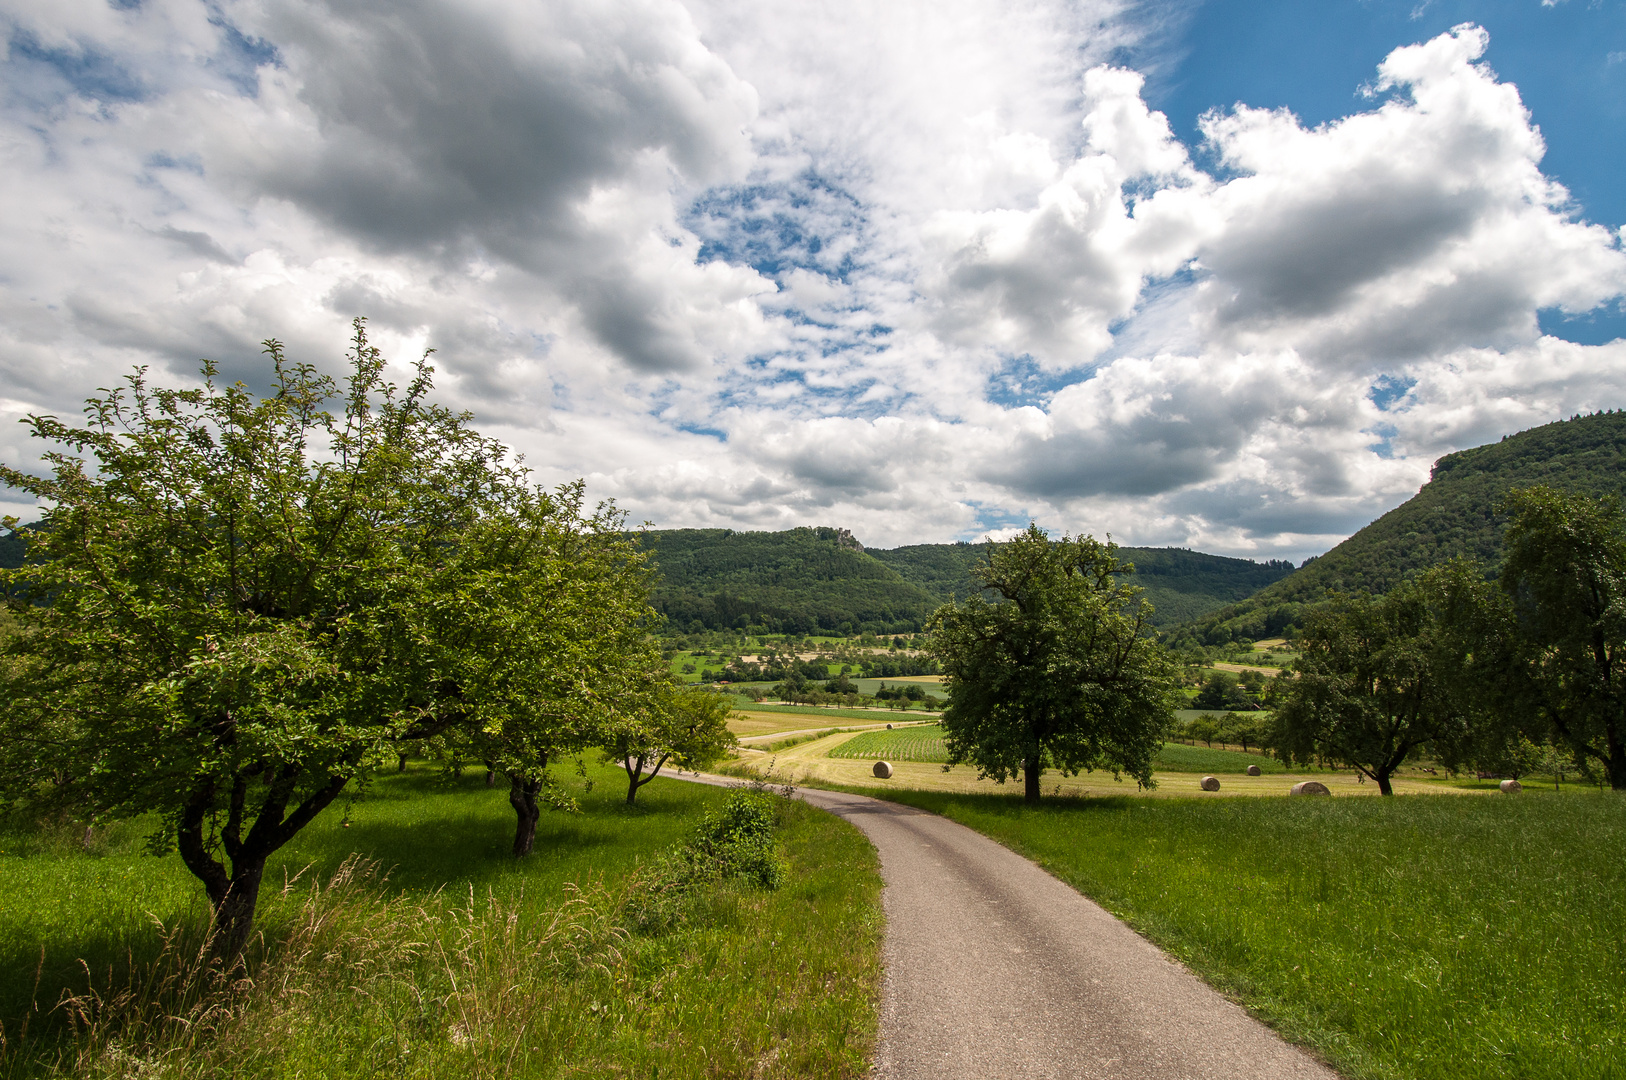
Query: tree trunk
point(235, 895)
point(234, 912)
point(1617, 759)
point(401, 764)
point(1031, 768)
point(491, 774)
point(1382, 777)
point(522, 794)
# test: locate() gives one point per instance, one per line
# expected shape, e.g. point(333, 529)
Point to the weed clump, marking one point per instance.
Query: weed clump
point(734, 842)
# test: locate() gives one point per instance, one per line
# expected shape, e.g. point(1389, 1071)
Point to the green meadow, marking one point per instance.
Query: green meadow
point(1410, 938)
point(407, 942)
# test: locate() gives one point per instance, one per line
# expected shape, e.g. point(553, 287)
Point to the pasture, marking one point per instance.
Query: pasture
point(924, 743)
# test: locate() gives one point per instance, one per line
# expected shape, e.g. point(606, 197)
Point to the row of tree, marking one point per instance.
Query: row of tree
point(1054, 665)
point(1468, 670)
point(239, 606)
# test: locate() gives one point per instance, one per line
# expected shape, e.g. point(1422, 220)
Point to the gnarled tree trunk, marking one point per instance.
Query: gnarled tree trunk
point(234, 893)
point(522, 793)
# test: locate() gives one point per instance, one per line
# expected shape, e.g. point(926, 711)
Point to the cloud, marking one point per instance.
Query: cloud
point(926, 270)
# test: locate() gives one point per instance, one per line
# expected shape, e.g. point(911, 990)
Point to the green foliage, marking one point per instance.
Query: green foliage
point(1379, 680)
point(1454, 515)
point(798, 581)
point(1566, 576)
point(1424, 938)
point(1060, 672)
point(689, 728)
point(1179, 584)
point(238, 605)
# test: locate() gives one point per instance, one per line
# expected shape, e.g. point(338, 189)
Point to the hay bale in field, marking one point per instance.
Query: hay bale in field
point(883, 770)
point(1210, 783)
point(1510, 787)
point(1310, 787)
point(1253, 770)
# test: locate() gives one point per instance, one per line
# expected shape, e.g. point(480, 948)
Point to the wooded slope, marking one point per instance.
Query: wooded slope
point(1453, 514)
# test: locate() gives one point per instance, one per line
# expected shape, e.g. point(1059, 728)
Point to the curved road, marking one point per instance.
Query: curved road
point(996, 969)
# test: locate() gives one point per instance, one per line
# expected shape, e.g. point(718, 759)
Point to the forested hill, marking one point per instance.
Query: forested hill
point(808, 579)
point(1454, 514)
point(1180, 584)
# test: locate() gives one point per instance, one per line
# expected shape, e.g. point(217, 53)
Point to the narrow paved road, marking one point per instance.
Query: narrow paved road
point(996, 969)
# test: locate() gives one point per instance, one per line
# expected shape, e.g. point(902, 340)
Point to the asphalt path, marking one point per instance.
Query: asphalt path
point(995, 969)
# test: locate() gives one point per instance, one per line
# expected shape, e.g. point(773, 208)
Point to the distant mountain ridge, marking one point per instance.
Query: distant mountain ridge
point(1453, 514)
point(807, 579)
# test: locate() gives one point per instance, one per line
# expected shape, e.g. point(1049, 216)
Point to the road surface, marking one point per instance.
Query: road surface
point(995, 969)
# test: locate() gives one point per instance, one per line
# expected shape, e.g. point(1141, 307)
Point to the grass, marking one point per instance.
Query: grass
point(1178, 757)
point(459, 960)
point(925, 743)
point(1405, 938)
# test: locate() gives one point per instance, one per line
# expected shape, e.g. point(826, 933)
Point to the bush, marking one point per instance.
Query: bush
point(733, 842)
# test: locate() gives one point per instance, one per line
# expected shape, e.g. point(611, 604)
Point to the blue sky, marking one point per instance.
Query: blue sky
point(1223, 275)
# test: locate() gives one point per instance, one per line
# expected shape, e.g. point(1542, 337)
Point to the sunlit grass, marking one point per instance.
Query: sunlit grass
point(1407, 938)
point(449, 966)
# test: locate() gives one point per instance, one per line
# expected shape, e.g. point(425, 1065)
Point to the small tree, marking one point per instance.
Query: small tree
point(1380, 679)
point(686, 727)
point(1060, 671)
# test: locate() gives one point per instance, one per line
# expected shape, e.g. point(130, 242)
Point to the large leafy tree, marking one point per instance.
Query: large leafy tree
point(1059, 670)
point(1565, 573)
point(1379, 680)
point(239, 602)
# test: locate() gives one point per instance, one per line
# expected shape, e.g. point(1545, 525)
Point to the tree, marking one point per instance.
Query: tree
point(1565, 574)
point(689, 728)
point(1380, 679)
point(238, 605)
point(542, 611)
point(1059, 671)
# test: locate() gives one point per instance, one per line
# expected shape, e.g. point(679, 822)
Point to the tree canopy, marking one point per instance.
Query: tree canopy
point(1565, 573)
point(238, 604)
point(1380, 679)
point(1059, 671)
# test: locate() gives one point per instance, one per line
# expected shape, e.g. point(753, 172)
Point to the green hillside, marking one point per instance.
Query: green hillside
point(810, 579)
point(1454, 514)
point(1181, 584)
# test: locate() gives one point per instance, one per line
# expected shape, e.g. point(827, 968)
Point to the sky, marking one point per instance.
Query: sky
point(1219, 275)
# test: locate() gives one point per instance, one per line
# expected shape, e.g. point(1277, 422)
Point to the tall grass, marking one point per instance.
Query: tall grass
point(468, 964)
point(1411, 938)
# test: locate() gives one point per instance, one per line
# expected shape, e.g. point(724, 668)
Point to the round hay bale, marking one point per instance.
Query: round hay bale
point(1309, 787)
point(1511, 787)
point(1253, 770)
point(889, 727)
point(1210, 783)
point(883, 770)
